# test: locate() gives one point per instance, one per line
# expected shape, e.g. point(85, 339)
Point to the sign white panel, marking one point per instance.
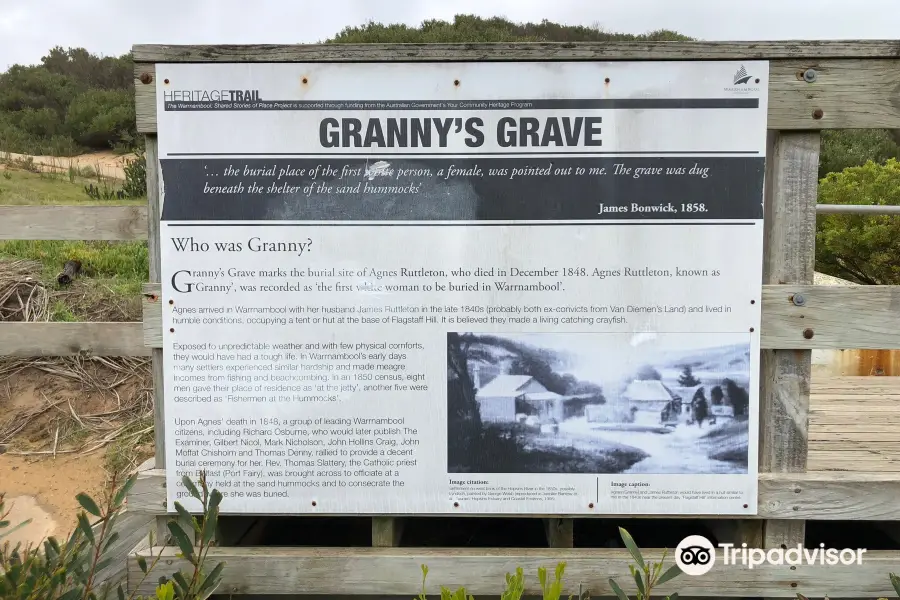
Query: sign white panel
point(463, 288)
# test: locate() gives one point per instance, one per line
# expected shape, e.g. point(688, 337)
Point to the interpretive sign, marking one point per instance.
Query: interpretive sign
point(409, 288)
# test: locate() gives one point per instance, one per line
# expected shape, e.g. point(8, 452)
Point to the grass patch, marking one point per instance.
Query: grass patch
point(110, 286)
point(27, 188)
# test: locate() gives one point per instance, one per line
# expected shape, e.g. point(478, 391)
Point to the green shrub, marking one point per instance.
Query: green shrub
point(97, 118)
point(646, 576)
point(69, 570)
point(861, 248)
point(136, 175)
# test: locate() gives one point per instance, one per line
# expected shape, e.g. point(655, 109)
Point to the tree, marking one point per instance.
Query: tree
point(648, 372)
point(472, 28)
point(842, 148)
point(738, 397)
point(107, 73)
point(687, 379)
point(860, 248)
point(463, 416)
point(100, 118)
point(71, 101)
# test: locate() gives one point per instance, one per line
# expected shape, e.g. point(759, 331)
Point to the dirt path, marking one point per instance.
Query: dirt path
point(107, 164)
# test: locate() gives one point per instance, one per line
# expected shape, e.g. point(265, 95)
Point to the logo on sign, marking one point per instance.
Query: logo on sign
point(695, 555)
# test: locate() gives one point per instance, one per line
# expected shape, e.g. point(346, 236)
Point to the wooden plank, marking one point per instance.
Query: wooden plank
point(822, 437)
point(850, 462)
point(824, 315)
point(154, 212)
point(822, 495)
point(851, 405)
point(854, 424)
point(560, 532)
point(106, 222)
point(731, 50)
point(386, 531)
point(152, 317)
point(861, 418)
point(792, 162)
point(860, 385)
point(145, 97)
point(847, 94)
point(856, 385)
point(851, 94)
point(70, 339)
point(395, 571)
point(132, 529)
point(151, 154)
point(875, 309)
point(830, 496)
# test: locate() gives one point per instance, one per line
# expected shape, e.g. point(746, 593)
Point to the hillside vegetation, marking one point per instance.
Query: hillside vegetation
point(71, 102)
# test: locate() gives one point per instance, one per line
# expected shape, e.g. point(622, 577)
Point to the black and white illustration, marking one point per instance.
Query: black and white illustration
point(598, 403)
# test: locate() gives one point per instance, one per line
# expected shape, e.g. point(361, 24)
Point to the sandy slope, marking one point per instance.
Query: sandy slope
point(38, 485)
point(105, 163)
point(43, 489)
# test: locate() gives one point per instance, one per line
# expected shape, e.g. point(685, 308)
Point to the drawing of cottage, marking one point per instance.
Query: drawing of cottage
point(649, 397)
point(497, 399)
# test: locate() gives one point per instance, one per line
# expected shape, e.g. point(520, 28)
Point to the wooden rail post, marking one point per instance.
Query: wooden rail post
point(154, 210)
point(790, 218)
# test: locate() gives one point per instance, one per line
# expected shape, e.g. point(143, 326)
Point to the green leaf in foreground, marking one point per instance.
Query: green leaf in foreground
point(670, 574)
point(88, 504)
point(632, 547)
point(181, 538)
point(618, 591)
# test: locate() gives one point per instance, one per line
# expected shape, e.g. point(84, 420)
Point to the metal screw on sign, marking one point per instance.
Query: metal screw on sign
point(798, 300)
point(810, 76)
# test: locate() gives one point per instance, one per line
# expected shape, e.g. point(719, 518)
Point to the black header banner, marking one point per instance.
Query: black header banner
point(463, 189)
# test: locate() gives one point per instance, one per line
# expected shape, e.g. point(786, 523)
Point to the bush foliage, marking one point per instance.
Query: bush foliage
point(471, 28)
point(73, 100)
point(73, 569)
point(861, 248)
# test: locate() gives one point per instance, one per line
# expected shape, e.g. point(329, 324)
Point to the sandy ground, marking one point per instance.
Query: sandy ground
point(40, 486)
point(107, 164)
point(44, 490)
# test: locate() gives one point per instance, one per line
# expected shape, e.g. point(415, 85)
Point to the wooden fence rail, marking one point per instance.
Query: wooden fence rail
point(818, 322)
